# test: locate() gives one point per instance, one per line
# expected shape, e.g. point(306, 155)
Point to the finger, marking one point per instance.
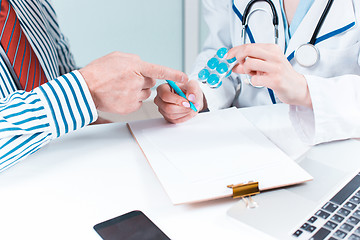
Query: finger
point(194, 93)
point(173, 116)
point(149, 82)
point(239, 68)
point(262, 51)
point(170, 108)
point(184, 118)
point(145, 94)
point(262, 80)
point(166, 94)
point(257, 65)
point(161, 72)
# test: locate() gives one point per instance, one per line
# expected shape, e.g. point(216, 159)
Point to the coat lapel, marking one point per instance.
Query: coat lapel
point(339, 19)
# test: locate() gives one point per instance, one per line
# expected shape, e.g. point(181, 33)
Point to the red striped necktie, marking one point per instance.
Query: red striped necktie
point(18, 49)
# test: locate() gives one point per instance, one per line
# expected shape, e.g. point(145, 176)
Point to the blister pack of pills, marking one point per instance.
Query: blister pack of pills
point(216, 69)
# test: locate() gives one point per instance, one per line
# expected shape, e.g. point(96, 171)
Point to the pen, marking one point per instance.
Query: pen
point(180, 93)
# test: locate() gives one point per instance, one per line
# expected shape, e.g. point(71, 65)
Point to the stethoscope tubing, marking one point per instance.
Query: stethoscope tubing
point(245, 22)
point(275, 18)
point(321, 21)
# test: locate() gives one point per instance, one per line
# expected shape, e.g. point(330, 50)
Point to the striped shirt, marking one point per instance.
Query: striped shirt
point(30, 120)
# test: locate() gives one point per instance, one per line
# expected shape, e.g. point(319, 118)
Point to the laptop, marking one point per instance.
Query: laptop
point(326, 208)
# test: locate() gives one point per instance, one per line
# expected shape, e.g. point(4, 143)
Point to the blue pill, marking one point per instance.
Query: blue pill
point(221, 52)
point(222, 68)
point(213, 79)
point(228, 74)
point(231, 60)
point(213, 63)
point(219, 85)
point(204, 74)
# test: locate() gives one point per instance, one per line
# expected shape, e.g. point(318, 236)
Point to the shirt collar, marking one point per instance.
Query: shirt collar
point(301, 11)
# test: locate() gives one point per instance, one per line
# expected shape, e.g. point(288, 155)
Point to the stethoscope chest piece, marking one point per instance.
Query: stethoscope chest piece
point(307, 55)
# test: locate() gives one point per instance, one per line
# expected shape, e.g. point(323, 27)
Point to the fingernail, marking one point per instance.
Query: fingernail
point(186, 104)
point(191, 97)
point(226, 55)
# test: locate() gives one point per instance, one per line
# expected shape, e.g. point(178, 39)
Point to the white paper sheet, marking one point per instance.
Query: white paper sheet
point(195, 160)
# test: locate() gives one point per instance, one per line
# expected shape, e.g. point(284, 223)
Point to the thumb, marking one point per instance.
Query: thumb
point(194, 94)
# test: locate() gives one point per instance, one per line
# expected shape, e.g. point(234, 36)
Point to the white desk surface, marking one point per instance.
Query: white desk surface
point(99, 173)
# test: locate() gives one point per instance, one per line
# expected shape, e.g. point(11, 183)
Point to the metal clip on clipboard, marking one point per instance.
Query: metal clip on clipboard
point(245, 191)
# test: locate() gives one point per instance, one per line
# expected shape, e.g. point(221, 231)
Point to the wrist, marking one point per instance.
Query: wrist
point(87, 76)
point(305, 99)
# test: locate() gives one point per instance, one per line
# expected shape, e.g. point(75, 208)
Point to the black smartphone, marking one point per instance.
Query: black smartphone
point(130, 226)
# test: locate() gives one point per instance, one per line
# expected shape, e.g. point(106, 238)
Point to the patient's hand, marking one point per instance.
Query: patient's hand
point(176, 109)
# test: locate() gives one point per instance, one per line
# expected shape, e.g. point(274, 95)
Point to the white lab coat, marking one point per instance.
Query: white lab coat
point(334, 83)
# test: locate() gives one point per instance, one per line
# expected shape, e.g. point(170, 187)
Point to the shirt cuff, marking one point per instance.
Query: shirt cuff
point(303, 120)
point(68, 103)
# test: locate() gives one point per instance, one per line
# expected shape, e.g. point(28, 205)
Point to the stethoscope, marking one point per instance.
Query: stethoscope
point(306, 55)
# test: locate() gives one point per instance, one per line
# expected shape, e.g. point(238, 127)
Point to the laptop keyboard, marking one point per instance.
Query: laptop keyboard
point(339, 218)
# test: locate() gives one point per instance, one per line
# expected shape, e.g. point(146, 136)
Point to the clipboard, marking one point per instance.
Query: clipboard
point(214, 155)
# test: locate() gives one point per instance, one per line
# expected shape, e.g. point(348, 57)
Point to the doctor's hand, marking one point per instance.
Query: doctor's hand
point(176, 109)
point(119, 82)
point(268, 67)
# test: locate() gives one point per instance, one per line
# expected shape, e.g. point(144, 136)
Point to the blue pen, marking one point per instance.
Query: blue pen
point(180, 93)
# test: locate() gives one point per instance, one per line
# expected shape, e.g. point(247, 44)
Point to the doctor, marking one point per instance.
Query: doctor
point(324, 96)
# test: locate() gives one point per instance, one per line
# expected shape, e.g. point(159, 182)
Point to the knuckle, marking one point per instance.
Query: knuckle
point(249, 49)
point(278, 58)
point(278, 70)
point(167, 116)
point(135, 57)
point(160, 72)
point(167, 96)
point(174, 121)
point(156, 100)
point(153, 82)
point(137, 106)
point(117, 54)
point(147, 93)
point(171, 116)
point(160, 88)
point(138, 84)
point(132, 58)
point(276, 80)
point(168, 108)
point(114, 53)
point(277, 48)
point(161, 91)
point(131, 88)
point(246, 67)
point(250, 62)
point(246, 49)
